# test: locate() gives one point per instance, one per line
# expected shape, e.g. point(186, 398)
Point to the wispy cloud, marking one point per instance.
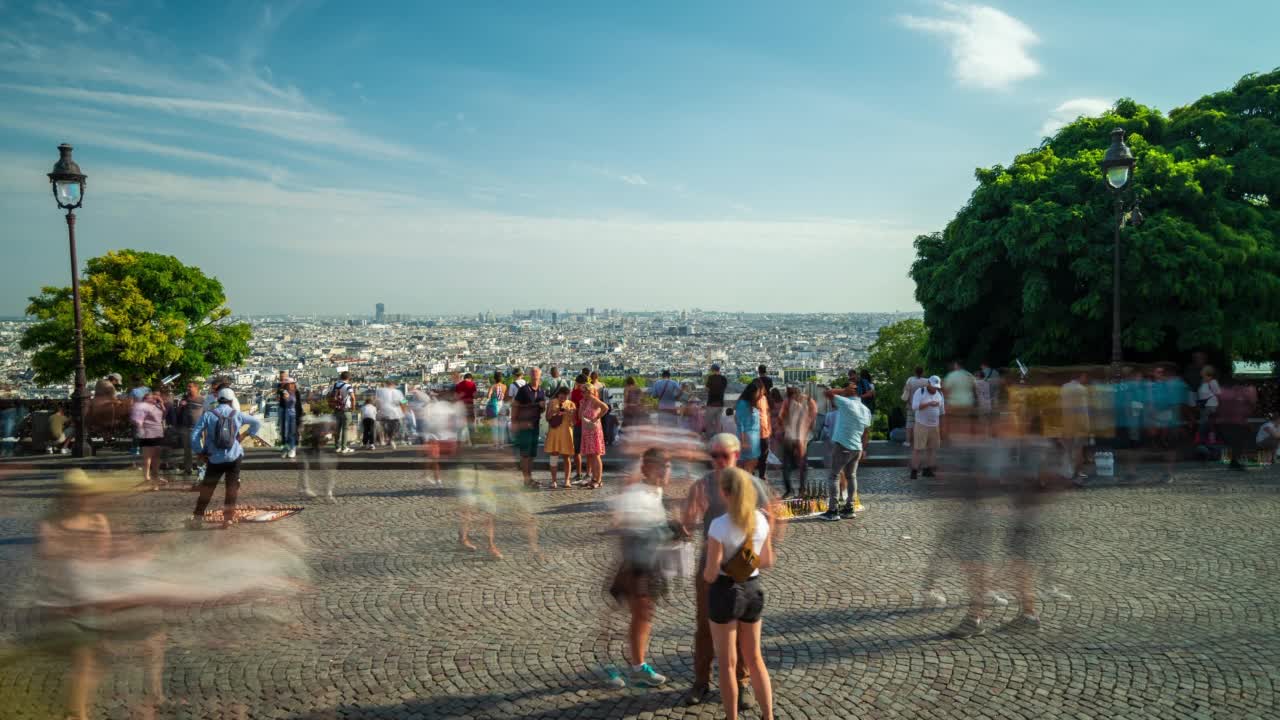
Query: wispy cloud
point(79, 25)
point(96, 137)
point(1070, 110)
point(634, 179)
point(989, 48)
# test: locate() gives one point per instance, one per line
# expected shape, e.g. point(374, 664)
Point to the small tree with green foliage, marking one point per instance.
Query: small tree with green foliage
point(145, 314)
point(893, 357)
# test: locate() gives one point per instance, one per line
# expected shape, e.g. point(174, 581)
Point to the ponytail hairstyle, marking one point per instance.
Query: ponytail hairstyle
point(741, 505)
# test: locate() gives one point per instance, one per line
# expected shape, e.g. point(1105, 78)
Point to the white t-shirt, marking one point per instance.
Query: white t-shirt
point(389, 402)
point(368, 412)
point(443, 421)
point(1269, 429)
point(732, 537)
point(930, 416)
point(1209, 393)
point(639, 506)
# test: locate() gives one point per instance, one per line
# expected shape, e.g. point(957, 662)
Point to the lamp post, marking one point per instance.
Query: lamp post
point(68, 191)
point(1117, 167)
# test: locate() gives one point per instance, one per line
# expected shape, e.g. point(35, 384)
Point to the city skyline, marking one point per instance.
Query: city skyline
point(317, 157)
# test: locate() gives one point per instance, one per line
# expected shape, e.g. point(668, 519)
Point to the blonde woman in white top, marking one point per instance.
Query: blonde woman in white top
point(735, 604)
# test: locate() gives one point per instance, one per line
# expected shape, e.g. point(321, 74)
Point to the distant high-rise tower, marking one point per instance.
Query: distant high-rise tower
point(555, 317)
point(379, 312)
point(591, 313)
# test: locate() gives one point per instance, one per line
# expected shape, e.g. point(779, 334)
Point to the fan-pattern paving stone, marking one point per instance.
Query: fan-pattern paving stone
point(1174, 600)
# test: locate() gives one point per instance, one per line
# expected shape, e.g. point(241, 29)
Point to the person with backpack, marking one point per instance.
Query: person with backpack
point(667, 392)
point(341, 400)
point(739, 543)
point(217, 436)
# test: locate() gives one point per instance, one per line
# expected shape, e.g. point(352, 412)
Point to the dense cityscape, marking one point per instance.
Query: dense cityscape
point(414, 349)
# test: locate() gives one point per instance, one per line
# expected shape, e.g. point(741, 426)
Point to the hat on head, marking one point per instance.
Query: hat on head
point(115, 377)
point(935, 381)
point(286, 380)
point(226, 395)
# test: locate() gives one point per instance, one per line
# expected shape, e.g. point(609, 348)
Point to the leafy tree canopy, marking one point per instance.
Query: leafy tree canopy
point(1024, 269)
point(145, 314)
point(899, 347)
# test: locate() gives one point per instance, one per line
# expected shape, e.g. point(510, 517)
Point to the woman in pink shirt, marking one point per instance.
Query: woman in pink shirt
point(147, 417)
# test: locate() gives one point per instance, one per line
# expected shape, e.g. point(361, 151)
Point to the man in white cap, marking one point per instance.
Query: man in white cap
point(929, 407)
point(217, 436)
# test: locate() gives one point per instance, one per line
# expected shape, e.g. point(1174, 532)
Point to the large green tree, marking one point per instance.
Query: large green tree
point(1024, 269)
point(145, 314)
point(899, 347)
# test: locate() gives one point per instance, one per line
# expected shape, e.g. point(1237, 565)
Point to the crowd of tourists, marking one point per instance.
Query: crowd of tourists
point(980, 439)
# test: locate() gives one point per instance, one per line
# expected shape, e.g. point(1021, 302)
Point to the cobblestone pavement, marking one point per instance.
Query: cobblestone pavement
point(1172, 612)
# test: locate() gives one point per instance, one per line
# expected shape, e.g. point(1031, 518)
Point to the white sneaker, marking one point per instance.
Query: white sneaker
point(308, 492)
point(65, 451)
point(997, 599)
point(935, 596)
point(330, 498)
point(393, 444)
point(293, 453)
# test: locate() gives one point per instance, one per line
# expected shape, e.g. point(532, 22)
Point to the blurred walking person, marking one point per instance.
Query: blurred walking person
point(633, 412)
point(799, 412)
point(1207, 399)
point(390, 412)
point(640, 521)
point(1076, 425)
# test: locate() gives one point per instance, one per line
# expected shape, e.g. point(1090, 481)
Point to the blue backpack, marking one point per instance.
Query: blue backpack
point(225, 432)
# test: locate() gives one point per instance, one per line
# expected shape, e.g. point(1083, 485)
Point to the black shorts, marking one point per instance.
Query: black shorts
point(151, 442)
point(728, 601)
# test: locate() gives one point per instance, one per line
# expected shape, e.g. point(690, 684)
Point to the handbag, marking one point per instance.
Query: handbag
point(742, 563)
point(676, 560)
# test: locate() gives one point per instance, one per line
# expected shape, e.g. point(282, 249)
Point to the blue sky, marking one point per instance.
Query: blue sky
point(320, 157)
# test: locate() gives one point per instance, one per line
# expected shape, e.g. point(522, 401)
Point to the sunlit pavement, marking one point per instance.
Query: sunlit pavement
point(1172, 611)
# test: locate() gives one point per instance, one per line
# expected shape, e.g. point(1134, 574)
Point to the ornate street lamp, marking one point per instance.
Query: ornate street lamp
point(68, 191)
point(1117, 168)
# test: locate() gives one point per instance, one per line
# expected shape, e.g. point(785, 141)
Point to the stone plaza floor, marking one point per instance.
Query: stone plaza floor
point(1174, 598)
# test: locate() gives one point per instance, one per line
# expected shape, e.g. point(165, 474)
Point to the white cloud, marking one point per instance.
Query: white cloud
point(633, 179)
point(1070, 110)
point(989, 49)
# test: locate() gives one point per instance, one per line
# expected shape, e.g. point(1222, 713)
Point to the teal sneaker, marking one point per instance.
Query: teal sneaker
point(646, 676)
point(615, 678)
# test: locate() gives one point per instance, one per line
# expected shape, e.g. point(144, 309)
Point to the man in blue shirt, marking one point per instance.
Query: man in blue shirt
point(852, 418)
point(668, 392)
point(222, 461)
